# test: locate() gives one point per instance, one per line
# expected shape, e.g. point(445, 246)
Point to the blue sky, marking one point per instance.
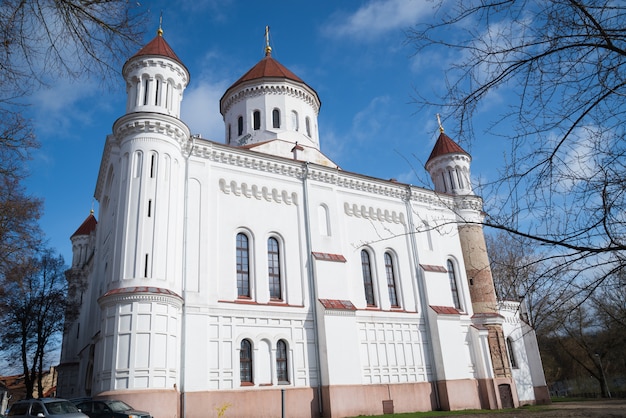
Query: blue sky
point(353, 53)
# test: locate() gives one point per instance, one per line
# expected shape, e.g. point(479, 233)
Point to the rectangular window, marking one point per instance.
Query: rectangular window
point(156, 95)
point(152, 165)
point(145, 91)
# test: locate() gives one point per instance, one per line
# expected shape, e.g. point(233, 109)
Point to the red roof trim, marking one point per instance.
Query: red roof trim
point(445, 145)
point(338, 304)
point(87, 226)
point(329, 257)
point(445, 310)
point(267, 67)
point(141, 289)
point(437, 269)
point(158, 46)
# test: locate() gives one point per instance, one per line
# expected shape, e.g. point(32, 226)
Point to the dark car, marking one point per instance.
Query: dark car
point(45, 408)
point(109, 409)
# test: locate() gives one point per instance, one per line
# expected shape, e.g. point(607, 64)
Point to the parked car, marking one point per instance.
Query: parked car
point(45, 408)
point(106, 408)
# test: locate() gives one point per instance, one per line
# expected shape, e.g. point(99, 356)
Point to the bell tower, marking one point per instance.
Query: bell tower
point(449, 168)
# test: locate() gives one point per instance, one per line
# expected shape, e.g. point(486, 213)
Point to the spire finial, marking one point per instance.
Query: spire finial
point(268, 48)
point(91, 211)
point(439, 122)
point(160, 30)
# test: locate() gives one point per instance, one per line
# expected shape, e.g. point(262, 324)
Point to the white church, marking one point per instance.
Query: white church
point(256, 277)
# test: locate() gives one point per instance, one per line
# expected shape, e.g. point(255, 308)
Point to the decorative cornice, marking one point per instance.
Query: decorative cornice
point(259, 193)
point(375, 214)
point(152, 123)
point(140, 293)
point(284, 88)
point(468, 202)
point(446, 159)
point(162, 62)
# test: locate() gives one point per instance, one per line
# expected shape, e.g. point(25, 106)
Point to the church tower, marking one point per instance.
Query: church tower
point(140, 191)
point(449, 168)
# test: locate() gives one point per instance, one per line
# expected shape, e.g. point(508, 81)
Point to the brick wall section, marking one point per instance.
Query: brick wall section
point(477, 269)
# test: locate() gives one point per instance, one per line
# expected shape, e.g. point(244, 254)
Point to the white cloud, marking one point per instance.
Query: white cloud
point(368, 123)
point(378, 17)
point(200, 109)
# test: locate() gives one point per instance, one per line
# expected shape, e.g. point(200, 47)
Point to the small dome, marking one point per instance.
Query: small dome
point(449, 167)
point(87, 226)
point(268, 67)
point(445, 145)
point(158, 46)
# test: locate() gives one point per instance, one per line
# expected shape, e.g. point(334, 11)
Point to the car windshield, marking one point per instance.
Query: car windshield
point(118, 406)
point(60, 407)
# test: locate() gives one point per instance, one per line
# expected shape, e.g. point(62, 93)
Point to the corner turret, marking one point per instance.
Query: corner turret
point(155, 79)
point(449, 166)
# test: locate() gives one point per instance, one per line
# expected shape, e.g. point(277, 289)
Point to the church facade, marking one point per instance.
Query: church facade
point(257, 277)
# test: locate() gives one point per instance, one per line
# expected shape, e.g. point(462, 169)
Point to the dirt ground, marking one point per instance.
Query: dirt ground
point(588, 409)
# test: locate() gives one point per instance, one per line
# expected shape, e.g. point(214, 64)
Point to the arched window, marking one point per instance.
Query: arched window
point(391, 281)
point(245, 362)
point(256, 117)
point(273, 268)
point(240, 126)
point(276, 118)
point(308, 126)
point(243, 266)
point(323, 220)
point(509, 348)
point(454, 286)
point(368, 282)
point(294, 120)
point(281, 362)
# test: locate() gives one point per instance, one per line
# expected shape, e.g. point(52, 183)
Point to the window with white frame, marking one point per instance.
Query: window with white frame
point(368, 281)
point(243, 265)
point(282, 373)
point(245, 362)
point(273, 268)
point(454, 287)
point(391, 280)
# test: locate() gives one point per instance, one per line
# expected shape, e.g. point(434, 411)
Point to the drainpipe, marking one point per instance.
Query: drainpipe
point(421, 289)
point(183, 330)
point(312, 286)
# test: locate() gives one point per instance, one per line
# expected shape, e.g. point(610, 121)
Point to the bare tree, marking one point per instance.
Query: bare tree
point(560, 68)
point(43, 40)
point(32, 307)
point(19, 232)
point(521, 272)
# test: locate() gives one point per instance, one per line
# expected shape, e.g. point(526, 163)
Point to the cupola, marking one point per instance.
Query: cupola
point(270, 102)
point(449, 166)
point(155, 79)
point(81, 242)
